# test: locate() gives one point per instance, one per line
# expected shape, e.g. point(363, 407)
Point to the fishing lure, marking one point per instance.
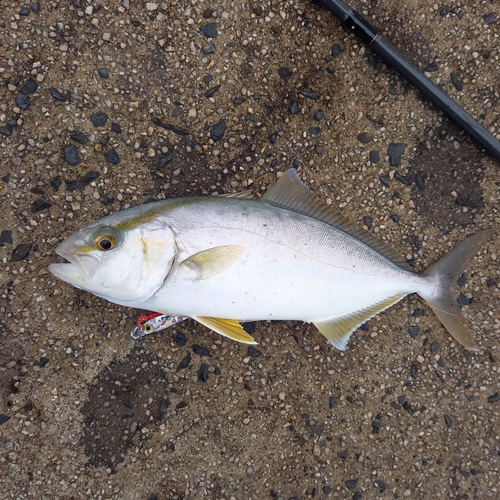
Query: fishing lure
point(153, 323)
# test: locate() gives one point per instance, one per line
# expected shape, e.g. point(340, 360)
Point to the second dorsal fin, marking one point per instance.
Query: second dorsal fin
point(290, 192)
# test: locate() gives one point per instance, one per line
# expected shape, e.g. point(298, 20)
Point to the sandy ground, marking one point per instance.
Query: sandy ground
point(86, 412)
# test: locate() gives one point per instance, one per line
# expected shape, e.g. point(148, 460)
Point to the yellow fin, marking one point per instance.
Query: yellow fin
point(339, 330)
point(213, 261)
point(227, 327)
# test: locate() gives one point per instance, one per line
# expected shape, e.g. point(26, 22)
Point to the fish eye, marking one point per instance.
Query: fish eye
point(106, 239)
point(148, 328)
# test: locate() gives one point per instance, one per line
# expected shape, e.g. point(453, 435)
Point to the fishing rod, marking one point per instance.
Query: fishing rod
point(354, 22)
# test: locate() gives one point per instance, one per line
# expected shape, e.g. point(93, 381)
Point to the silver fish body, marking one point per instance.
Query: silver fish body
point(283, 257)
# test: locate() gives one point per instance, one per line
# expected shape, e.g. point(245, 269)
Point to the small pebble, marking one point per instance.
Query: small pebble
point(40, 205)
point(375, 427)
point(327, 489)
point(43, 362)
point(384, 179)
point(116, 128)
point(310, 95)
point(494, 398)
point(22, 101)
point(284, 73)
point(6, 237)
point(3, 419)
point(368, 221)
point(180, 339)
point(212, 91)
point(382, 485)
point(448, 421)
point(99, 119)
point(336, 49)
point(463, 300)
point(58, 96)
point(318, 115)
point(71, 155)
point(293, 107)
point(401, 178)
point(55, 183)
point(181, 405)
point(35, 7)
point(20, 252)
point(253, 352)
point(455, 81)
point(365, 138)
point(418, 312)
point(209, 30)
point(489, 18)
point(332, 401)
point(80, 137)
point(351, 483)
point(103, 73)
point(434, 346)
point(395, 151)
point(419, 181)
point(184, 363)
point(201, 351)
point(30, 87)
point(73, 185)
point(413, 370)
point(218, 131)
point(374, 157)
point(203, 373)
point(113, 157)
point(414, 331)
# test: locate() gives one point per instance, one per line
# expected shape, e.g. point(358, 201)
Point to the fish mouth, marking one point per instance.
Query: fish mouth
point(73, 268)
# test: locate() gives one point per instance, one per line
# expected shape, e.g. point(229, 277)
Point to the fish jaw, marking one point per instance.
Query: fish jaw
point(78, 268)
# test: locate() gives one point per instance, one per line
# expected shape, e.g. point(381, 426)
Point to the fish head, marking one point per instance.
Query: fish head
point(122, 262)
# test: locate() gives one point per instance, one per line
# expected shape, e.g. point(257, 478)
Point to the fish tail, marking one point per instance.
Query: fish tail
point(444, 274)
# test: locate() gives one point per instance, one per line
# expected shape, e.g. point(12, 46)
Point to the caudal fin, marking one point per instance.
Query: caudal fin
point(445, 274)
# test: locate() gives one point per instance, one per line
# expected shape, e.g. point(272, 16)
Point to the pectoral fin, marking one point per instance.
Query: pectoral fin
point(213, 261)
point(227, 327)
point(339, 330)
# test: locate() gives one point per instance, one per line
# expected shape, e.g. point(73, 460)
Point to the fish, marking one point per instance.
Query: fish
point(225, 259)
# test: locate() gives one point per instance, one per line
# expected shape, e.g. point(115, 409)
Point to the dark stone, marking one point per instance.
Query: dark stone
point(365, 138)
point(374, 157)
point(382, 485)
point(434, 346)
point(365, 326)
point(491, 282)
point(180, 339)
point(107, 201)
point(314, 130)
point(489, 18)
point(357, 496)
point(414, 331)
point(207, 14)
point(209, 49)
point(6, 237)
point(6, 130)
point(81, 183)
point(113, 157)
point(253, 352)
point(55, 183)
point(455, 81)
point(116, 128)
point(35, 7)
point(463, 300)
point(395, 217)
point(43, 362)
point(60, 97)
point(99, 119)
point(332, 401)
point(201, 351)
point(413, 370)
point(330, 69)
point(396, 149)
point(181, 405)
point(249, 326)
point(238, 100)
point(168, 126)
point(419, 181)
point(30, 87)
point(80, 137)
point(250, 117)
point(310, 95)
point(203, 373)
point(375, 427)
point(103, 73)
point(351, 483)
point(208, 78)
point(431, 68)
point(209, 30)
point(164, 160)
point(494, 398)
point(385, 180)
point(462, 281)
point(24, 11)
point(401, 178)
point(336, 49)
point(368, 221)
point(218, 131)
point(3, 419)
point(20, 252)
point(40, 205)
point(212, 91)
point(71, 155)
point(293, 107)
point(448, 421)
point(418, 312)
point(22, 101)
point(327, 489)
point(318, 115)
point(184, 363)
point(284, 73)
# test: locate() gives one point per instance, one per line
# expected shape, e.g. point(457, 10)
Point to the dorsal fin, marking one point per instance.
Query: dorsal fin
point(290, 192)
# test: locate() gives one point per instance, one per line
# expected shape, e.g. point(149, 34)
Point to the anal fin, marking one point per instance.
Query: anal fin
point(227, 327)
point(339, 330)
